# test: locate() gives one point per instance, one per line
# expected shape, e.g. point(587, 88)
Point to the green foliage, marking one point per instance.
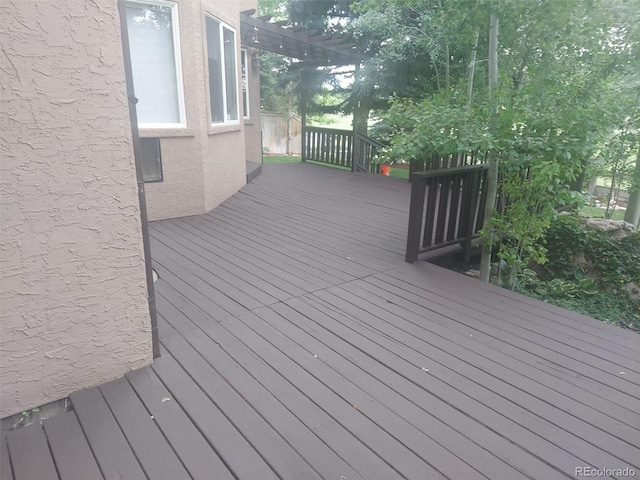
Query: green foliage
point(565, 239)
point(567, 288)
point(597, 212)
point(530, 194)
point(615, 262)
point(618, 261)
point(25, 418)
point(277, 84)
point(557, 62)
point(602, 305)
point(586, 271)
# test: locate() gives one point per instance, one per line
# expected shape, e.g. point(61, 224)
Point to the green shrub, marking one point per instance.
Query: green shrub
point(565, 238)
point(600, 291)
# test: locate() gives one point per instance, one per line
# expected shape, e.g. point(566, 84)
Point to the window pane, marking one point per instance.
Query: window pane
point(151, 159)
point(230, 73)
point(214, 53)
point(153, 61)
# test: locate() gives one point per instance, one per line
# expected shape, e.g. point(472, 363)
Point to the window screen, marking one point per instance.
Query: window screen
point(153, 61)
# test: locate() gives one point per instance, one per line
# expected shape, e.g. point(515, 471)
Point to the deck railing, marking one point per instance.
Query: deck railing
point(437, 162)
point(446, 208)
point(328, 145)
point(336, 147)
point(367, 149)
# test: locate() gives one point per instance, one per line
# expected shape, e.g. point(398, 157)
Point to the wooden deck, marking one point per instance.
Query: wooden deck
point(297, 344)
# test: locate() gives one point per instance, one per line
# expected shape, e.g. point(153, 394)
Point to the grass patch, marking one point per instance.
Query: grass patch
point(399, 172)
point(596, 212)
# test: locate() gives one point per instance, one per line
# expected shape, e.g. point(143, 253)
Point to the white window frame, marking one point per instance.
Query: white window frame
point(222, 26)
point(177, 56)
point(245, 97)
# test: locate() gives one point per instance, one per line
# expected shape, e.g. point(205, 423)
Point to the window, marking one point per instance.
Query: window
point(151, 159)
point(245, 82)
point(155, 59)
point(223, 83)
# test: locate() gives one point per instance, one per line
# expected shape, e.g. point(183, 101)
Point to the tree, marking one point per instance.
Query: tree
point(558, 61)
point(492, 174)
point(632, 215)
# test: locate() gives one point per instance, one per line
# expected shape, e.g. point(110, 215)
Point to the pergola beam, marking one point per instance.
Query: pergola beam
point(308, 46)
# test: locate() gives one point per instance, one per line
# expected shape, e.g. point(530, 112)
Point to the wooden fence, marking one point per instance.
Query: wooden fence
point(447, 208)
point(281, 135)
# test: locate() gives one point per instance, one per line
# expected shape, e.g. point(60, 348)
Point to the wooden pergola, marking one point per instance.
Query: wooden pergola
point(312, 49)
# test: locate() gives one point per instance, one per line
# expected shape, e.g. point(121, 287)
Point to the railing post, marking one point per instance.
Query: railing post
point(416, 209)
point(303, 117)
point(355, 158)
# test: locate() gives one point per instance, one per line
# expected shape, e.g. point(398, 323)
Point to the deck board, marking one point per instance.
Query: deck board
point(30, 455)
point(196, 454)
point(278, 454)
point(296, 343)
point(5, 460)
point(403, 427)
point(233, 448)
point(109, 445)
point(541, 400)
point(155, 454)
point(420, 394)
point(522, 310)
point(71, 451)
point(353, 458)
point(512, 355)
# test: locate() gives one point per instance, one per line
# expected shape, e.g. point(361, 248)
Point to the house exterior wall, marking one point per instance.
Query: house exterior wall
point(72, 282)
point(252, 125)
point(202, 164)
point(225, 169)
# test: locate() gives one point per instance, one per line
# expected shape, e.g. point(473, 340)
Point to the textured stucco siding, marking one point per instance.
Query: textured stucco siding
point(74, 309)
point(202, 164)
point(252, 125)
point(182, 191)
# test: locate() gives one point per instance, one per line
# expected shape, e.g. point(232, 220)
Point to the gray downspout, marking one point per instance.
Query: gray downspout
point(155, 341)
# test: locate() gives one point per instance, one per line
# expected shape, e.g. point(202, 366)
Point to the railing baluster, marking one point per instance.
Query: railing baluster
point(451, 213)
point(454, 214)
point(416, 209)
point(333, 146)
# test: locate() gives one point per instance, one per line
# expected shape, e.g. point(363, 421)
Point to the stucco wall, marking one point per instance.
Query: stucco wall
point(74, 310)
point(252, 125)
point(203, 164)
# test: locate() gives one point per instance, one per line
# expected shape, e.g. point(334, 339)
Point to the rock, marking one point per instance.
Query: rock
point(619, 228)
point(634, 291)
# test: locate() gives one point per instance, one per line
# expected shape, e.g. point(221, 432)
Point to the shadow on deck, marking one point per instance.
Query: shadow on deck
point(297, 344)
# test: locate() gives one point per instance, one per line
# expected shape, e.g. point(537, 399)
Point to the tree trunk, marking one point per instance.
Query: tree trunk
point(446, 69)
point(632, 215)
point(492, 174)
point(610, 198)
point(472, 70)
point(578, 183)
point(361, 111)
